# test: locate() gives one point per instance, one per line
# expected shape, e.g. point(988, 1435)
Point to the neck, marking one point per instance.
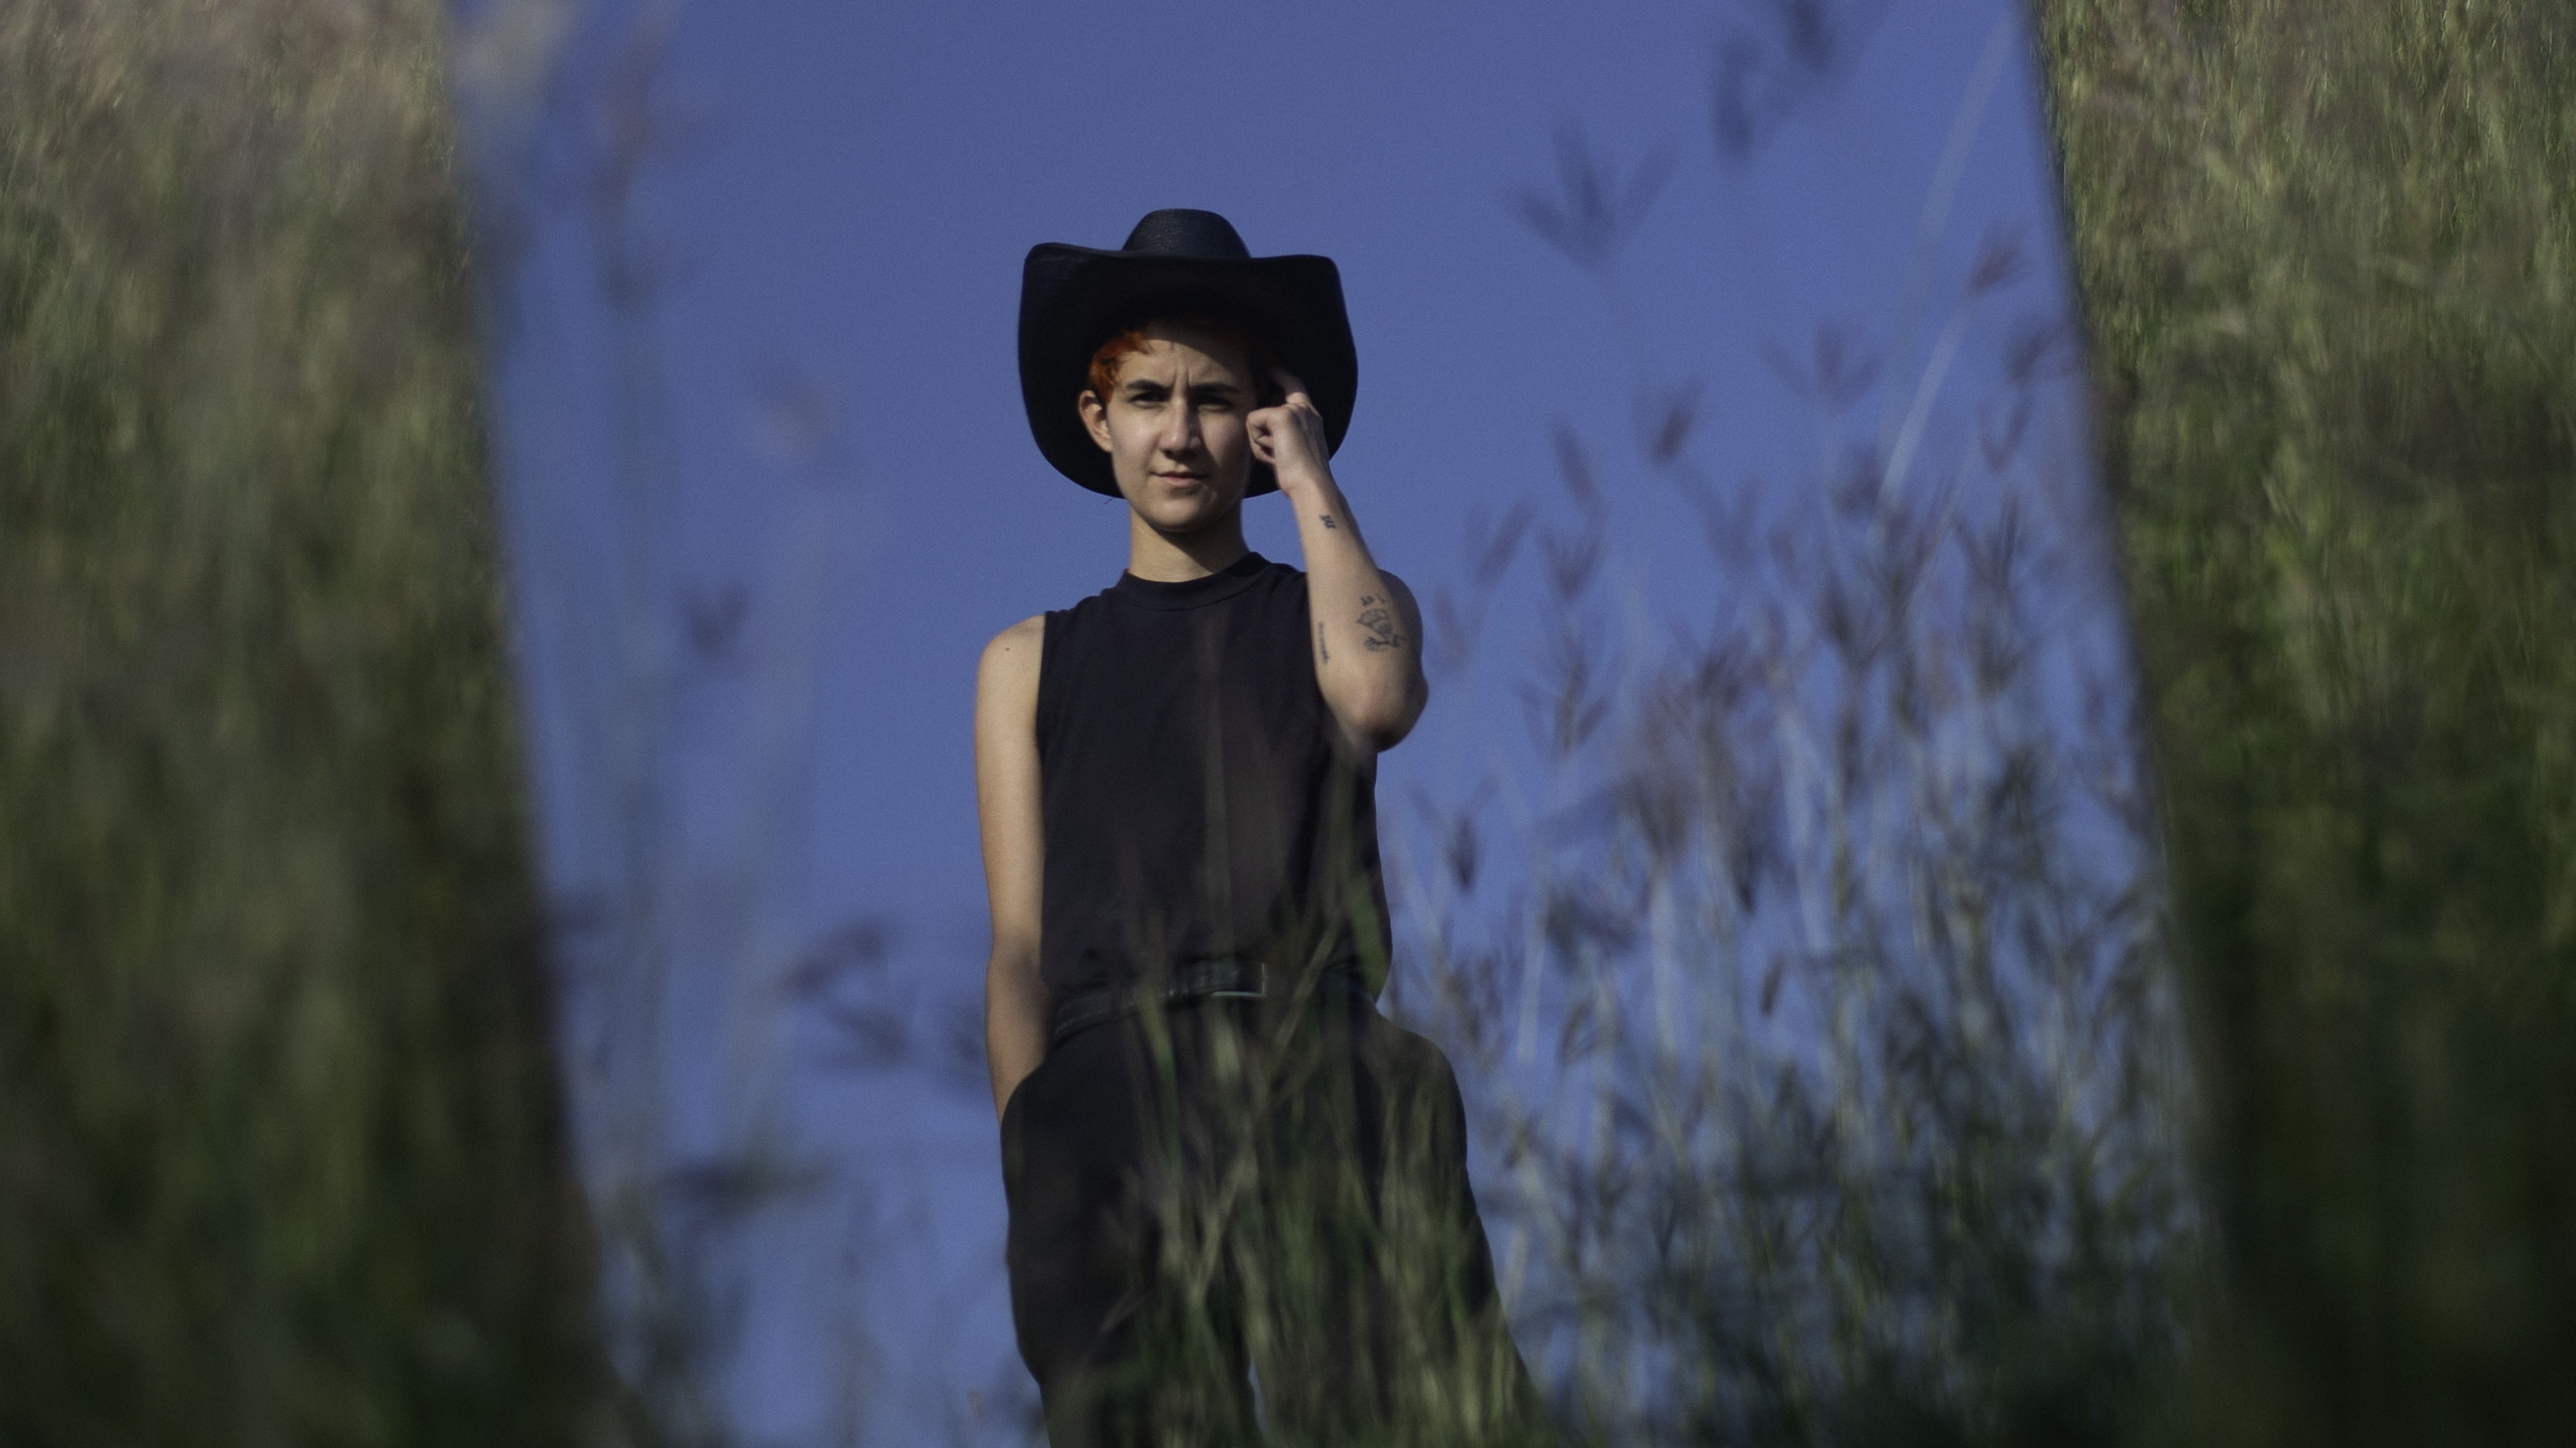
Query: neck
point(1159, 557)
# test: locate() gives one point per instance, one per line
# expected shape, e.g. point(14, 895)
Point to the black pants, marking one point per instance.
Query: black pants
point(1222, 1187)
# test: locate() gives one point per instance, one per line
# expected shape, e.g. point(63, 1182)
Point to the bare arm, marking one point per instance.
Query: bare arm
point(1368, 630)
point(1007, 805)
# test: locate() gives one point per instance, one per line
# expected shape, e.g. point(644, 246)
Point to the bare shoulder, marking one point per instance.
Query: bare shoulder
point(1007, 679)
point(1013, 653)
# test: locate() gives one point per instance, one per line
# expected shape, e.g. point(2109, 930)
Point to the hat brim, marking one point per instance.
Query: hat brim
point(1071, 297)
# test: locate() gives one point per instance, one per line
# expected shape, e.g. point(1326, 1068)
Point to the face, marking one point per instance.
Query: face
point(1174, 428)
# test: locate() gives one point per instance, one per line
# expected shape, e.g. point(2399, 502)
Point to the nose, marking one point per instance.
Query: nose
point(1180, 432)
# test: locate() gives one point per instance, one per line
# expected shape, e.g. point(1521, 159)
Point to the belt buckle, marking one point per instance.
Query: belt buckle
point(1260, 986)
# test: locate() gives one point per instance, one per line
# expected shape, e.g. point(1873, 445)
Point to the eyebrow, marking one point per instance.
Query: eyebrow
point(1136, 384)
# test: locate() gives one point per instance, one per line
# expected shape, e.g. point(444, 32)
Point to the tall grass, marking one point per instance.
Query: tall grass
point(2326, 257)
point(1828, 1034)
point(282, 1157)
point(1828, 1037)
point(678, 946)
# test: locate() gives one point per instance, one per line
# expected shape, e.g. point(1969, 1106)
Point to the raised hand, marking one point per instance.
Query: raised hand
point(1290, 437)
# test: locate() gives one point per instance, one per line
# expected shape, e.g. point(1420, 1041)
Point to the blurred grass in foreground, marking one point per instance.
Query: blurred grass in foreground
point(282, 1155)
point(1813, 971)
point(2325, 252)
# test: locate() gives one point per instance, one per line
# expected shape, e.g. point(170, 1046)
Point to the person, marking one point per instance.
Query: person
point(1222, 1164)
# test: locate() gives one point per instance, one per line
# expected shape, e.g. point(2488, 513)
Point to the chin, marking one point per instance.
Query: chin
point(1184, 520)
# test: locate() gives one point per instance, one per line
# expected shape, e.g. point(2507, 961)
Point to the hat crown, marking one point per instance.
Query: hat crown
point(1179, 231)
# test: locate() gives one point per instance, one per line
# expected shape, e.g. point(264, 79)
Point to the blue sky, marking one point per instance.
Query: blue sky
point(755, 596)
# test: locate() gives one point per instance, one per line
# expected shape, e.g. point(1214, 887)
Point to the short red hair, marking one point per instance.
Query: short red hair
point(1109, 355)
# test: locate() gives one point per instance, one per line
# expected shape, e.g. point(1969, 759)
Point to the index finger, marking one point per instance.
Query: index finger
point(1288, 382)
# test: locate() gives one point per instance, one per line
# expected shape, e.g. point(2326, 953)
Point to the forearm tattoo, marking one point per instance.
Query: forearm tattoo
point(1379, 621)
point(1328, 521)
point(1321, 646)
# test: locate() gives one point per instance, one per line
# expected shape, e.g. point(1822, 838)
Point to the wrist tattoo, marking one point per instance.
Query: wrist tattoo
point(1379, 621)
point(1329, 523)
point(1322, 647)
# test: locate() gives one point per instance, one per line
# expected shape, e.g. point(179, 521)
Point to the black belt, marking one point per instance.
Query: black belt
point(1226, 977)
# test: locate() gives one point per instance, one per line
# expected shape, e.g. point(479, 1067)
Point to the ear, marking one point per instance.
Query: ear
point(1095, 416)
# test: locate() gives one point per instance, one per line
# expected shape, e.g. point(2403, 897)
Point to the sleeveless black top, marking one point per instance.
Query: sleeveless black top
point(1198, 802)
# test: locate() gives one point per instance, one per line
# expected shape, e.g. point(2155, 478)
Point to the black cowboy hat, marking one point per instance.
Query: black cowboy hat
point(1072, 298)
